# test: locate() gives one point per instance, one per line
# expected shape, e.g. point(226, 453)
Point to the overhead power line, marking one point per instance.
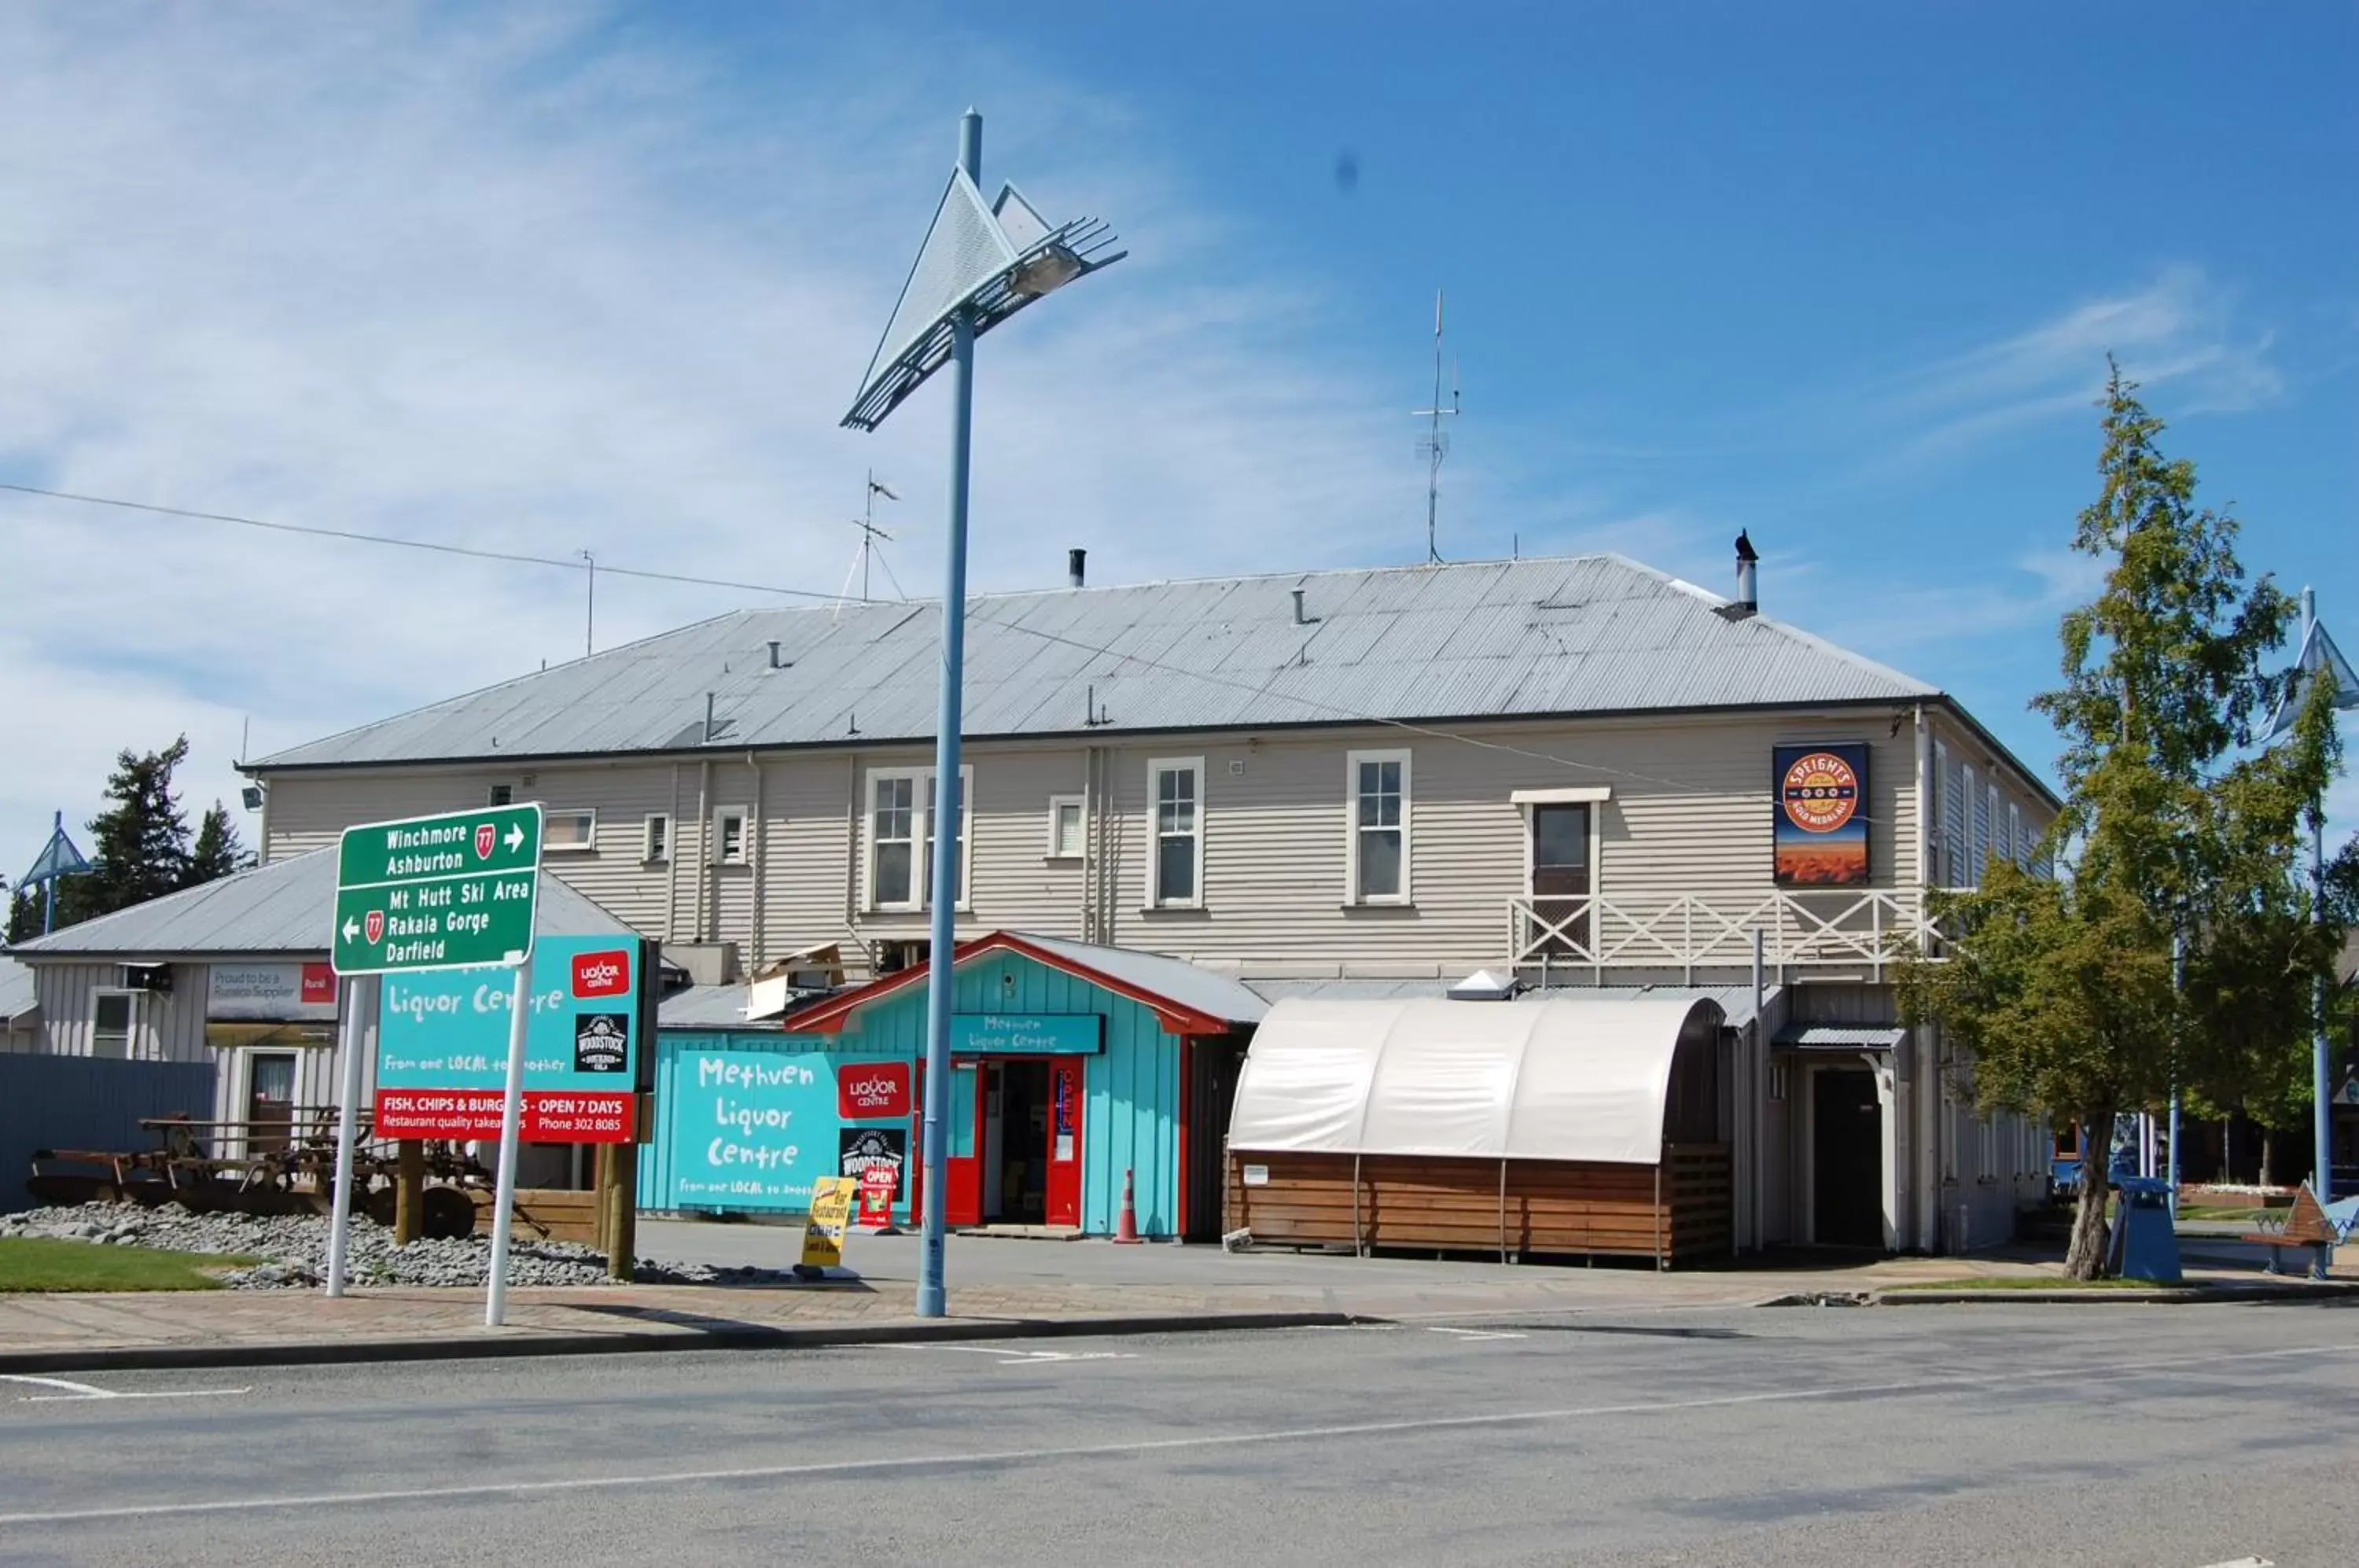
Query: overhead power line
point(356, 536)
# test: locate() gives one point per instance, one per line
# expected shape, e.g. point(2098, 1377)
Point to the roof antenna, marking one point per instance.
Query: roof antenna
point(1436, 444)
point(869, 534)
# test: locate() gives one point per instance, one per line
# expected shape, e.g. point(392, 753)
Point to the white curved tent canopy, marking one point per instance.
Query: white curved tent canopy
point(1560, 1079)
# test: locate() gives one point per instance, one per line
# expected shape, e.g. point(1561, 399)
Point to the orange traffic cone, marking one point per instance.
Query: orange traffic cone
point(1125, 1229)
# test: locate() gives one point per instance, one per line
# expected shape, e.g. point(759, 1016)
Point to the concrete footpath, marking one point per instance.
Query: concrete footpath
point(999, 1288)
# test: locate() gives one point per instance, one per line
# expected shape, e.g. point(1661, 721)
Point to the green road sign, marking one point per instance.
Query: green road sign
point(447, 892)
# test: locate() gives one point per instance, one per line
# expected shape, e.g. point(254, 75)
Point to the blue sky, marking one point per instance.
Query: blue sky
point(566, 278)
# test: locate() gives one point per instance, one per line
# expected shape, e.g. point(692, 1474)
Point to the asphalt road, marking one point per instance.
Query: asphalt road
point(1977, 1434)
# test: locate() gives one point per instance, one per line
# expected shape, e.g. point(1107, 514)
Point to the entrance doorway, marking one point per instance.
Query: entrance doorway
point(1015, 1139)
point(1846, 1158)
point(269, 1101)
point(1213, 1062)
point(1560, 875)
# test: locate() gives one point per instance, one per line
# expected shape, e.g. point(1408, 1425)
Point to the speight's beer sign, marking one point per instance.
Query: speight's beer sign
point(1822, 822)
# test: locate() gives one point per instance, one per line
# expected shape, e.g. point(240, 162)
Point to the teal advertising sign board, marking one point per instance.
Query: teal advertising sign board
point(443, 1046)
point(1026, 1034)
point(448, 892)
point(752, 1129)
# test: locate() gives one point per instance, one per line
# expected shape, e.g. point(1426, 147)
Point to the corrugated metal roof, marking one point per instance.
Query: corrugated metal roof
point(1590, 634)
point(17, 992)
point(1736, 1001)
point(285, 906)
point(1841, 1037)
point(1173, 978)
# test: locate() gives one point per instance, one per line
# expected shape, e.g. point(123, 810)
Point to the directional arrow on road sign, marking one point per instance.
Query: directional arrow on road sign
point(515, 838)
point(352, 928)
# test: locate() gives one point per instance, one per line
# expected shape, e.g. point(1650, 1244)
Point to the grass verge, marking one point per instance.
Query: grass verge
point(45, 1263)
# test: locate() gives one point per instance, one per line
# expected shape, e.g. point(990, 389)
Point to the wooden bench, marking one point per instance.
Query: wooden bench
point(2308, 1223)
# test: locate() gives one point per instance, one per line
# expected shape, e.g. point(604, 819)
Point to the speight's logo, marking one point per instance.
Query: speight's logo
point(601, 974)
point(1821, 792)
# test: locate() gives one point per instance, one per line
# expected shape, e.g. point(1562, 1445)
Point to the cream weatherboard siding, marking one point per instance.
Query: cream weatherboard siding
point(165, 1026)
point(1687, 812)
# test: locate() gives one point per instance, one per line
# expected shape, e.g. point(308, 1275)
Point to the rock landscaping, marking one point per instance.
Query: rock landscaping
point(296, 1246)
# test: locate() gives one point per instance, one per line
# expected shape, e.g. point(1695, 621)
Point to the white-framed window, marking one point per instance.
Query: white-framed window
point(655, 838)
point(893, 813)
point(500, 795)
point(1379, 804)
point(899, 863)
point(731, 846)
point(1065, 830)
point(2022, 847)
point(1975, 833)
point(1175, 832)
point(113, 1019)
point(964, 847)
point(569, 832)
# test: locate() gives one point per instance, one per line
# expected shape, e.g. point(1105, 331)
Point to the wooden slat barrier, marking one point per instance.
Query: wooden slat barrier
point(545, 1213)
point(1677, 1211)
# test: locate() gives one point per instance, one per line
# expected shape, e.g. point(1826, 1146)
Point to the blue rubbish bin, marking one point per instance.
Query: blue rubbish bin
point(2144, 1245)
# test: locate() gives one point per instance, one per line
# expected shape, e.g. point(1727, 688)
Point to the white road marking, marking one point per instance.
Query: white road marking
point(1471, 1333)
point(2049, 1377)
point(1012, 1357)
point(2244, 1563)
point(84, 1391)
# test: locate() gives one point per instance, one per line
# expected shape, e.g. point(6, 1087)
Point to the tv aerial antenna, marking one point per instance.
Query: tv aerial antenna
point(1435, 444)
point(870, 534)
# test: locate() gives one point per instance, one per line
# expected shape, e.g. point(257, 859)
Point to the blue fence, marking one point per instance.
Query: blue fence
point(85, 1102)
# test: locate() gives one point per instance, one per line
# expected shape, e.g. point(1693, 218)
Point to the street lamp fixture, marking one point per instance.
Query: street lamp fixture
point(980, 263)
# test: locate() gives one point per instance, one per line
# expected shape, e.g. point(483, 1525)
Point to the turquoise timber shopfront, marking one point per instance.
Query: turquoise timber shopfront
point(1072, 1067)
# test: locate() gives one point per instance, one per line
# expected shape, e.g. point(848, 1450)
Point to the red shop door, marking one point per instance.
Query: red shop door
point(964, 1178)
point(1064, 1206)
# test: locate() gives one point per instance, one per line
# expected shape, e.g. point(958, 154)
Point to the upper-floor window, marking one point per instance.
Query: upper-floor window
point(655, 838)
point(568, 832)
point(1174, 797)
point(113, 1015)
point(901, 812)
point(500, 795)
point(1065, 835)
point(1379, 846)
point(959, 865)
point(731, 844)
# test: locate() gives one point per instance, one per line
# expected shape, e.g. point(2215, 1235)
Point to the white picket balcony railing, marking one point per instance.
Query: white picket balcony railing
point(1861, 928)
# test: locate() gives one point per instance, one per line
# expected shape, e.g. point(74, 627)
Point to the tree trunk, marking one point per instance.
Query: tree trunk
point(2268, 1155)
point(2086, 1257)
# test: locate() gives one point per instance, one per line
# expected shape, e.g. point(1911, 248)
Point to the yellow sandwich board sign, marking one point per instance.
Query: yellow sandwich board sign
point(831, 1213)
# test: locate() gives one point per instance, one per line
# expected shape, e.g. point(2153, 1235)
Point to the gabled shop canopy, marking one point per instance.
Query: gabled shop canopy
point(1555, 1079)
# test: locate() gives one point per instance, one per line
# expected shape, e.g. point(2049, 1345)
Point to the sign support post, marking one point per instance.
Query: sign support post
point(348, 1094)
point(495, 1303)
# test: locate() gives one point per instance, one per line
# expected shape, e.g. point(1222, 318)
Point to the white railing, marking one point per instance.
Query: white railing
point(1861, 928)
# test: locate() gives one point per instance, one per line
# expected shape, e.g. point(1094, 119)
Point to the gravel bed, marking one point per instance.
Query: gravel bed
point(296, 1249)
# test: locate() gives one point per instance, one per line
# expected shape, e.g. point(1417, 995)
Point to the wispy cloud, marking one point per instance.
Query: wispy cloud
point(516, 280)
point(2181, 331)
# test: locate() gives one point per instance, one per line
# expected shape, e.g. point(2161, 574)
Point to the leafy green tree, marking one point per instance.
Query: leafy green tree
point(24, 916)
point(2173, 832)
point(218, 851)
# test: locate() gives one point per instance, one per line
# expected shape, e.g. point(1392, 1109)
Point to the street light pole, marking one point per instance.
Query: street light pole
point(2322, 1102)
point(982, 262)
point(932, 1294)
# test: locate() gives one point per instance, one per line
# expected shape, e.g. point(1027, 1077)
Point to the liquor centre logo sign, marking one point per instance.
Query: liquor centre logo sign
point(442, 1042)
point(1821, 825)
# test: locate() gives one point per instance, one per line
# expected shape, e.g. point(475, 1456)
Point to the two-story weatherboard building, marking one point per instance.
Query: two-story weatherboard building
point(1334, 784)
